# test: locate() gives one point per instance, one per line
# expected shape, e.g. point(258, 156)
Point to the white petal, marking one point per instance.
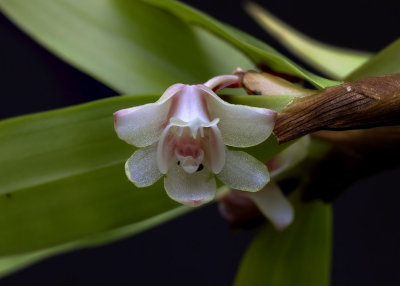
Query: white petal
point(291, 156)
point(240, 126)
point(141, 168)
point(142, 125)
point(190, 189)
point(243, 172)
point(274, 205)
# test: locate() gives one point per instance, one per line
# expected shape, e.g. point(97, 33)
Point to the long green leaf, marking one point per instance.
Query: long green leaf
point(386, 61)
point(298, 256)
point(120, 43)
point(128, 45)
point(333, 61)
point(257, 51)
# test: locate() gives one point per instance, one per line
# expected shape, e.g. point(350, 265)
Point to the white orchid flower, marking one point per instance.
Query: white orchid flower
point(184, 137)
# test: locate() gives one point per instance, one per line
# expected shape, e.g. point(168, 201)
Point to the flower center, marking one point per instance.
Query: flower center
point(190, 158)
point(188, 151)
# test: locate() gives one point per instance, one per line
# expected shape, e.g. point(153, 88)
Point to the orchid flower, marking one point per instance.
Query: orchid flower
point(183, 137)
point(270, 201)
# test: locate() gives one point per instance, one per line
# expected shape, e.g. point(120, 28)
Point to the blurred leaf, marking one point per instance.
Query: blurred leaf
point(259, 52)
point(386, 61)
point(300, 255)
point(10, 264)
point(62, 176)
point(128, 45)
point(333, 61)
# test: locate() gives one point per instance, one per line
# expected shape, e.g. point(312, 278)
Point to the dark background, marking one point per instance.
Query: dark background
point(200, 248)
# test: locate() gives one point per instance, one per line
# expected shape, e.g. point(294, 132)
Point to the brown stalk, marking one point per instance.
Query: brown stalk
point(365, 103)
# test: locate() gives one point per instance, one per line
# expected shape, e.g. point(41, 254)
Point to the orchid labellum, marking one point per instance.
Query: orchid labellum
point(184, 137)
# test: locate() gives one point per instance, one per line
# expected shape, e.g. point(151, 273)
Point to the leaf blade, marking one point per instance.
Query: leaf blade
point(333, 61)
point(119, 43)
point(387, 61)
point(259, 52)
point(300, 255)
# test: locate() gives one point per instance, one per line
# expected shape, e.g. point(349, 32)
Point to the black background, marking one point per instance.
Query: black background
point(200, 249)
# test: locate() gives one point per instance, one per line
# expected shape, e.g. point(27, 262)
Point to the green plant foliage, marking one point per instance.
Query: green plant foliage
point(300, 255)
point(257, 51)
point(9, 264)
point(121, 44)
point(386, 61)
point(62, 180)
point(333, 61)
point(62, 177)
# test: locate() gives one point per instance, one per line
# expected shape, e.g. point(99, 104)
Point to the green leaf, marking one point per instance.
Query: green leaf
point(300, 255)
point(62, 176)
point(128, 45)
point(259, 52)
point(333, 61)
point(386, 61)
point(10, 264)
point(121, 44)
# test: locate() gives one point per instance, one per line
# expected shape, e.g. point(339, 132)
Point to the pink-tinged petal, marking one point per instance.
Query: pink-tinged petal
point(274, 205)
point(240, 126)
point(222, 81)
point(289, 157)
point(243, 172)
point(165, 149)
point(141, 168)
point(190, 189)
point(142, 125)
